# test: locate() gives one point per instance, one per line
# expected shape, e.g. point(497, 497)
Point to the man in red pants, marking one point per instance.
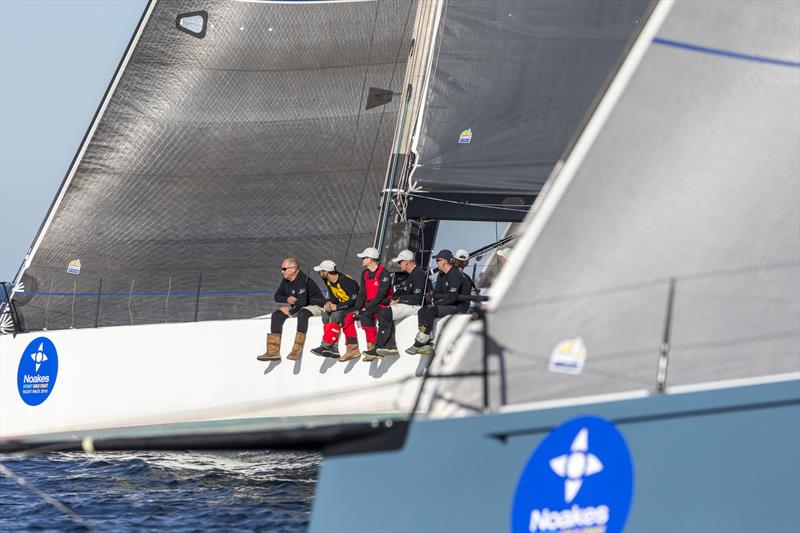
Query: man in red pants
point(375, 293)
point(342, 294)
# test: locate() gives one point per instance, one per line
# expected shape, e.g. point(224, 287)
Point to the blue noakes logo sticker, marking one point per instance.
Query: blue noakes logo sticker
point(38, 368)
point(580, 478)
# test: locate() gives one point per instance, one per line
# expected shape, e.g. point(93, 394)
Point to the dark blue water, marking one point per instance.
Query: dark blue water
point(249, 491)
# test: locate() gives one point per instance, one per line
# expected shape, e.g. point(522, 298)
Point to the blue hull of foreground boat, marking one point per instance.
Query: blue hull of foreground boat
point(726, 459)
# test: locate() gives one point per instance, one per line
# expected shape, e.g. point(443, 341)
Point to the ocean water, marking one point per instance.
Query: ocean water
point(191, 491)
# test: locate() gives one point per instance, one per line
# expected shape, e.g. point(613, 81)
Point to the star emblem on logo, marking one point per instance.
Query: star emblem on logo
point(39, 357)
point(576, 465)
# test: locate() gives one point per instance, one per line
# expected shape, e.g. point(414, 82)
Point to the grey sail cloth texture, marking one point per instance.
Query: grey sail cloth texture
point(520, 75)
point(218, 156)
point(694, 176)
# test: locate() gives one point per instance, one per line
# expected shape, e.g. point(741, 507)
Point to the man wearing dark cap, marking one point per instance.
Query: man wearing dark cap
point(449, 284)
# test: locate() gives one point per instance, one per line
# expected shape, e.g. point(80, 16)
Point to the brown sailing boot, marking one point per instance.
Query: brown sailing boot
point(297, 349)
point(351, 353)
point(273, 348)
point(371, 354)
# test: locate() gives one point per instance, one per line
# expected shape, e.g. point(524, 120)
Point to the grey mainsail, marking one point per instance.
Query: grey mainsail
point(692, 181)
point(215, 157)
point(510, 82)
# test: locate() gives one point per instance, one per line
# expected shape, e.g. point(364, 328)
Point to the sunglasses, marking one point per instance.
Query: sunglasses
point(286, 268)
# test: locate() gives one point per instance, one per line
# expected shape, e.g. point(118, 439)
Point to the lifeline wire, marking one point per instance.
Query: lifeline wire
point(46, 497)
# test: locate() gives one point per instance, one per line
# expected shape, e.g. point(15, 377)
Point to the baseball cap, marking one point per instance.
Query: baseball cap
point(445, 254)
point(461, 254)
point(405, 255)
point(370, 252)
point(327, 266)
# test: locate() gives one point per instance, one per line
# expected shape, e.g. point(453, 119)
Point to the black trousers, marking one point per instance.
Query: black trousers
point(385, 328)
point(368, 318)
point(429, 313)
point(279, 317)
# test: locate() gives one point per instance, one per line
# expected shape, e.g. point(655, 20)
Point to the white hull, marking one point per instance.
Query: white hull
point(172, 373)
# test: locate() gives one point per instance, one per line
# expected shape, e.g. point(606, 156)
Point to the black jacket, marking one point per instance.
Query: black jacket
point(343, 293)
point(468, 289)
point(304, 289)
point(409, 287)
point(448, 287)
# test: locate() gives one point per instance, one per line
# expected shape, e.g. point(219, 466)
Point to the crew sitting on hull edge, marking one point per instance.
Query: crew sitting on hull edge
point(342, 294)
point(450, 283)
point(374, 294)
point(469, 289)
point(408, 293)
point(304, 300)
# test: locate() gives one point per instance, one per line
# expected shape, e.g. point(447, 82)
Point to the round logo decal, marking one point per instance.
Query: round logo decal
point(580, 478)
point(38, 368)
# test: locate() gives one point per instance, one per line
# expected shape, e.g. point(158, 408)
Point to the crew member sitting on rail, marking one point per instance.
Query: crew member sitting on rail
point(342, 294)
point(304, 299)
point(468, 289)
point(407, 293)
point(374, 294)
point(449, 284)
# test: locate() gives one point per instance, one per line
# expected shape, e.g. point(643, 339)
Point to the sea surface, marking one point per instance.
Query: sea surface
point(191, 491)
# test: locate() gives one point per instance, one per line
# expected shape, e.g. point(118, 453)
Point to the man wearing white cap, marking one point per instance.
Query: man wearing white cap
point(407, 294)
point(462, 258)
point(468, 289)
point(374, 294)
point(342, 293)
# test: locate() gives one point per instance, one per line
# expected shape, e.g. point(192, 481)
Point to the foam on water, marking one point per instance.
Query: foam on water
point(250, 491)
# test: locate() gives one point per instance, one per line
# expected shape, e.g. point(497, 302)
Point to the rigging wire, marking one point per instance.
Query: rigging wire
point(22, 482)
point(355, 130)
point(380, 121)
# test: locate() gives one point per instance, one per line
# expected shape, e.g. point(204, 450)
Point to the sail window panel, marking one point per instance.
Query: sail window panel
point(216, 165)
point(257, 36)
point(521, 76)
point(193, 23)
point(694, 178)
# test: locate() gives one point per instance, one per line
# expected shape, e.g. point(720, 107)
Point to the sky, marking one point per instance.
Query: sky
point(56, 61)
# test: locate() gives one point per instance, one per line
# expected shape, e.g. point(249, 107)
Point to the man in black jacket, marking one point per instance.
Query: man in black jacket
point(449, 284)
point(469, 289)
point(342, 294)
point(304, 300)
point(408, 290)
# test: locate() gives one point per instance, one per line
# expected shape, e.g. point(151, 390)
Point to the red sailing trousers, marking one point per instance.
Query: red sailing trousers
point(371, 286)
point(331, 330)
point(368, 321)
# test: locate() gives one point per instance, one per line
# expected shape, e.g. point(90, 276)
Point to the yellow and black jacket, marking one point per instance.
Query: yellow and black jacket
point(343, 293)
